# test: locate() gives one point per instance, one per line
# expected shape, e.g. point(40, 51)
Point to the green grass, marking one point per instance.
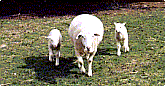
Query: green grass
point(24, 61)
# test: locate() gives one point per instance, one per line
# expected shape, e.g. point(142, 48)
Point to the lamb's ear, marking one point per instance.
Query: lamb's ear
point(124, 23)
point(48, 37)
point(96, 34)
point(79, 35)
point(115, 23)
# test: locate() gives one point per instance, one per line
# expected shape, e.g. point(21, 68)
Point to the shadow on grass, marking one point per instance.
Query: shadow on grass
point(47, 71)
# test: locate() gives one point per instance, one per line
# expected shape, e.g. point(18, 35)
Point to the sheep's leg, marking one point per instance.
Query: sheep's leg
point(80, 62)
point(57, 58)
point(90, 60)
point(87, 56)
point(118, 48)
point(126, 45)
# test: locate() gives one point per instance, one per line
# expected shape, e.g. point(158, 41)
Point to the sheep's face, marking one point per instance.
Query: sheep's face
point(88, 40)
point(119, 27)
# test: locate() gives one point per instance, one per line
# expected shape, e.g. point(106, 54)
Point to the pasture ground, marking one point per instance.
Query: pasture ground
point(24, 51)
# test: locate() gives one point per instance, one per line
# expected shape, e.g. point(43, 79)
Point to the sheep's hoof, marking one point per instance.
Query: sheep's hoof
point(119, 53)
point(57, 64)
point(82, 70)
point(50, 60)
point(89, 74)
point(127, 49)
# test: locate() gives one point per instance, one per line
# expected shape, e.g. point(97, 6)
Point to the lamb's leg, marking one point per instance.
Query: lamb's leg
point(126, 45)
point(50, 55)
point(118, 48)
point(50, 52)
point(90, 60)
point(57, 57)
point(80, 62)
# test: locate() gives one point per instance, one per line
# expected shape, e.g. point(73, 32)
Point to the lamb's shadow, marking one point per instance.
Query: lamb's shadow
point(47, 71)
point(105, 51)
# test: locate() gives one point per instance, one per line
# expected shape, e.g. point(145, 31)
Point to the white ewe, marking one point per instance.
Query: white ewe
point(121, 35)
point(54, 44)
point(86, 32)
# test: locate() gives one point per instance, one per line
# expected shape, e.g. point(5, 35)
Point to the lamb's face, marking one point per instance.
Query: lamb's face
point(88, 41)
point(54, 41)
point(119, 27)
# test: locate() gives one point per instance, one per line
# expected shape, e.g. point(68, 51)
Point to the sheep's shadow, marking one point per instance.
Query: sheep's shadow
point(47, 71)
point(105, 51)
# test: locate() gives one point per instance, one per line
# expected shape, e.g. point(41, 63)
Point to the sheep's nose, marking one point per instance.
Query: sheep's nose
point(88, 49)
point(118, 33)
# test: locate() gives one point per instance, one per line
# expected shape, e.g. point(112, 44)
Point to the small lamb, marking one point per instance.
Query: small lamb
point(54, 43)
point(86, 32)
point(121, 35)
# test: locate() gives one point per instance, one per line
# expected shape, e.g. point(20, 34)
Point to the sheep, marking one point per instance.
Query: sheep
point(86, 32)
point(54, 43)
point(121, 35)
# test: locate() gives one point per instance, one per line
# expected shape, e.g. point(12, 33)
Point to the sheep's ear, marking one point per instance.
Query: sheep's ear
point(79, 35)
point(115, 23)
point(96, 34)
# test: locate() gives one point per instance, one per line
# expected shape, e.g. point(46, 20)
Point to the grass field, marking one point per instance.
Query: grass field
point(24, 51)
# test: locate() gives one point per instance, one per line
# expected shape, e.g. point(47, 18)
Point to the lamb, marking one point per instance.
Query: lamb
point(86, 32)
point(54, 43)
point(121, 35)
